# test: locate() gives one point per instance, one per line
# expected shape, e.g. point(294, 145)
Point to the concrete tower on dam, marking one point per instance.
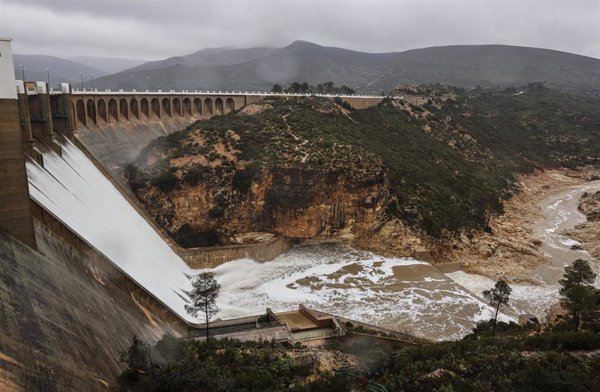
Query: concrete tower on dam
point(15, 206)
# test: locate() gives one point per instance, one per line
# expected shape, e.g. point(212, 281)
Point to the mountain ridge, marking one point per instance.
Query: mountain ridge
point(460, 65)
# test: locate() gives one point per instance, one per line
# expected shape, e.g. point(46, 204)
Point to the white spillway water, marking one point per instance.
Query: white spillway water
point(77, 193)
point(400, 293)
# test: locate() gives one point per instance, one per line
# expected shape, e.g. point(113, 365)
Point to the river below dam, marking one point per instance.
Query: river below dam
point(404, 293)
point(561, 213)
point(399, 293)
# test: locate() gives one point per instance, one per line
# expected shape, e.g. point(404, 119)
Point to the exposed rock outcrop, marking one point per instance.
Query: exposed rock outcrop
point(588, 233)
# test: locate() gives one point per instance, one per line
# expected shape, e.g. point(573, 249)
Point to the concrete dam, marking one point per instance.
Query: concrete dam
point(73, 144)
point(69, 221)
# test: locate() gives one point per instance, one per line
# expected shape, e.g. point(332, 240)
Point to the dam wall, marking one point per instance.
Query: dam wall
point(15, 211)
point(116, 144)
point(64, 320)
point(210, 257)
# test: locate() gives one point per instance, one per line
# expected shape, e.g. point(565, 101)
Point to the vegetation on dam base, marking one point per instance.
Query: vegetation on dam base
point(442, 160)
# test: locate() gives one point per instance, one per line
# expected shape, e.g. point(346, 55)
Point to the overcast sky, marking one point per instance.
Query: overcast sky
point(153, 29)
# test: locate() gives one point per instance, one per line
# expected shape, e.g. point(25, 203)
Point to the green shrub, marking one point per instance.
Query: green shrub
point(166, 181)
point(196, 174)
point(242, 179)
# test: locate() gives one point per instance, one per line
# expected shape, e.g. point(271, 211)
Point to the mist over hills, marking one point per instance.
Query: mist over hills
point(464, 65)
point(61, 70)
point(108, 64)
point(67, 70)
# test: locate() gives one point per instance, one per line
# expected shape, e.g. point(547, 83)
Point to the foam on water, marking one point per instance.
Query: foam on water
point(524, 298)
point(398, 293)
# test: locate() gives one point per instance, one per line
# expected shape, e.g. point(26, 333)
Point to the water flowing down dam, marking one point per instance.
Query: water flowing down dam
point(71, 188)
point(399, 293)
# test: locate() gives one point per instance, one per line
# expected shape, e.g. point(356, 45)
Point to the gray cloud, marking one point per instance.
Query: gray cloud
point(155, 29)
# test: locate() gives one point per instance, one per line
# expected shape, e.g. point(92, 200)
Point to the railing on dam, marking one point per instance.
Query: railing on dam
point(225, 330)
point(84, 91)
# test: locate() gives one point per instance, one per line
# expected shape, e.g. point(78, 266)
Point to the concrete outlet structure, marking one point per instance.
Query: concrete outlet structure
point(15, 206)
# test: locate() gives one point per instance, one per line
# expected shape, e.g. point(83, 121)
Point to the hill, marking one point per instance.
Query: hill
point(465, 66)
point(208, 57)
point(61, 70)
point(307, 167)
point(108, 64)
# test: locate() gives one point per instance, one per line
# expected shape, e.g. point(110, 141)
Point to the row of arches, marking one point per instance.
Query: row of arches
point(92, 111)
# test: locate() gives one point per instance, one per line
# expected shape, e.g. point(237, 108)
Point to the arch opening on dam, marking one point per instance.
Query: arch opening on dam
point(102, 112)
point(145, 108)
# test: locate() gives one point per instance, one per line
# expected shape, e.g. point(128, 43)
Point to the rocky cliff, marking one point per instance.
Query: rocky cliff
point(588, 233)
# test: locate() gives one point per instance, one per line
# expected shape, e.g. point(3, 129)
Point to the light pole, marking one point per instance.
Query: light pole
point(48, 75)
point(23, 71)
point(132, 82)
point(92, 79)
point(81, 76)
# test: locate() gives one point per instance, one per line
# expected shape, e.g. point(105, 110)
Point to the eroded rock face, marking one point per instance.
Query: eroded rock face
point(291, 202)
point(590, 206)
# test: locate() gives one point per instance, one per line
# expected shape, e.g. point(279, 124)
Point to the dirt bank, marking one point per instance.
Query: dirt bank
point(512, 249)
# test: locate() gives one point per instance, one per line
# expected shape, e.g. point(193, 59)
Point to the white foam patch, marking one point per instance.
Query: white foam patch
point(524, 298)
point(356, 284)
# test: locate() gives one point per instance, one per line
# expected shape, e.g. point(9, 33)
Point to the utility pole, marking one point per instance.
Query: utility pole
point(81, 76)
point(48, 75)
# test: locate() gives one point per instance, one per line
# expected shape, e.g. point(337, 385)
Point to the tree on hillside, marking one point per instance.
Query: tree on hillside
point(578, 295)
point(294, 88)
point(345, 90)
point(276, 88)
point(497, 296)
point(203, 297)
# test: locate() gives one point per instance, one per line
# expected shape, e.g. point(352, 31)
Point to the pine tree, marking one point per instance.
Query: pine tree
point(203, 297)
point(497, 297)
point(578, 294)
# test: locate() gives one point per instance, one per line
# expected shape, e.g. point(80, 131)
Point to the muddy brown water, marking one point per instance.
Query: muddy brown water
point(404, 294)
point(561, 213)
